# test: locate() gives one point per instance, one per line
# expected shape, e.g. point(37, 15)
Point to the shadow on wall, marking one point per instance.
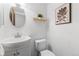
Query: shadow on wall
point(49, 47)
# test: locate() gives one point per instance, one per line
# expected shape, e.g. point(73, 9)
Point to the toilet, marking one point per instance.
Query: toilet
point(42, 48)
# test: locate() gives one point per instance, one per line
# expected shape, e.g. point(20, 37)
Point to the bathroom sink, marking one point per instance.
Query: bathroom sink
point(15, 40)
point(12, 45)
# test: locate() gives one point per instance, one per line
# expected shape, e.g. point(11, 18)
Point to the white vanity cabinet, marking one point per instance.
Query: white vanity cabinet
point(18, 49)
point(22, 51)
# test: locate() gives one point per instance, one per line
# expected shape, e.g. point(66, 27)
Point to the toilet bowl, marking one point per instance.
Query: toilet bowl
point(42, 48)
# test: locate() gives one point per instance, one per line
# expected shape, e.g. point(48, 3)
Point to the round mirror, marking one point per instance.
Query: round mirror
point(17, 16)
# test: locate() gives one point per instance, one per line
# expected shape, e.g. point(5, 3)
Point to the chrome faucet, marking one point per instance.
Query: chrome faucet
point(17, 35)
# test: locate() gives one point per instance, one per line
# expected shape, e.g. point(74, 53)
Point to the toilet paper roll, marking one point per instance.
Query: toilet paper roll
point(1, 50)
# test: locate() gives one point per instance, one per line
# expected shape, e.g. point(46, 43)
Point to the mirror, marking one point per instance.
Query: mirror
point(17, 16)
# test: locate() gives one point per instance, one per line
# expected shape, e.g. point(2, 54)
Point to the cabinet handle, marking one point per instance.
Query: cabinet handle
point(16, 54)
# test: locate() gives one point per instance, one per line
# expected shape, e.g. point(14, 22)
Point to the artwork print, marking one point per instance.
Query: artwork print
point(63, 14)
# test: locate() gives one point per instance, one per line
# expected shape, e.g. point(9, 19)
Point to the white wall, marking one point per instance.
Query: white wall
point(35, 30)
point(64, 39)
point(1, 14)
point(32, 11)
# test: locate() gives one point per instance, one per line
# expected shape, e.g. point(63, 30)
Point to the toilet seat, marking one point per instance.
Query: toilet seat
point(47, 53)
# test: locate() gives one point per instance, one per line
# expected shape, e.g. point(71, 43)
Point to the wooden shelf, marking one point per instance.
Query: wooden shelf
point(40, 20)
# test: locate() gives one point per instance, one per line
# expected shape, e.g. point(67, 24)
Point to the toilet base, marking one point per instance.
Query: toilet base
point(46, 53)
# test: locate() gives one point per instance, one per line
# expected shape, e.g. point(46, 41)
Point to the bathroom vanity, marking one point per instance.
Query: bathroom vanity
point(17, 46)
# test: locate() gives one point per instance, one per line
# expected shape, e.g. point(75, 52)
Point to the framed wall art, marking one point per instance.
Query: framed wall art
point(63, 14)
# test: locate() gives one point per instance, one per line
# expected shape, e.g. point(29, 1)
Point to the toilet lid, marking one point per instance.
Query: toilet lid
point(47, 53)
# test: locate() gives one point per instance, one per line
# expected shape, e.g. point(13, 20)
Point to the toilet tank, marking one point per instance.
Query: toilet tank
point(41, 44)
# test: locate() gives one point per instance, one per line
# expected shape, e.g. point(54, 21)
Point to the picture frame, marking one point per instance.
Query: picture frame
point(63, 14)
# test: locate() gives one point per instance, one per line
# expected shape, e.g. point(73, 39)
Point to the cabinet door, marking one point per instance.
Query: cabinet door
point(25, 51)
point(22, 50)
point(11, 53)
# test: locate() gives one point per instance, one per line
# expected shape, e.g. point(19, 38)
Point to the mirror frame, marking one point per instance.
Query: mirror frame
point(12, 15)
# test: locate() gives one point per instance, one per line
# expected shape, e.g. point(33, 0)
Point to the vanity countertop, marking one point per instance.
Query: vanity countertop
point(14, 40)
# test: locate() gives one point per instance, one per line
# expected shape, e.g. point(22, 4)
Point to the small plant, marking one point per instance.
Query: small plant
point(40, 15)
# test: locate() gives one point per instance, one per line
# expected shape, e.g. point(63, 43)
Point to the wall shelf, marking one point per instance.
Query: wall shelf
point(40, 20)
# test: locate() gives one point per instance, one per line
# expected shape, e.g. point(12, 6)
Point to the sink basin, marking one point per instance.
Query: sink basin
point(14, 43)
point(14, 40)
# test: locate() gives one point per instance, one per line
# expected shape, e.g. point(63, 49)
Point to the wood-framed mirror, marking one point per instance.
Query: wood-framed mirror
point(17, 16)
